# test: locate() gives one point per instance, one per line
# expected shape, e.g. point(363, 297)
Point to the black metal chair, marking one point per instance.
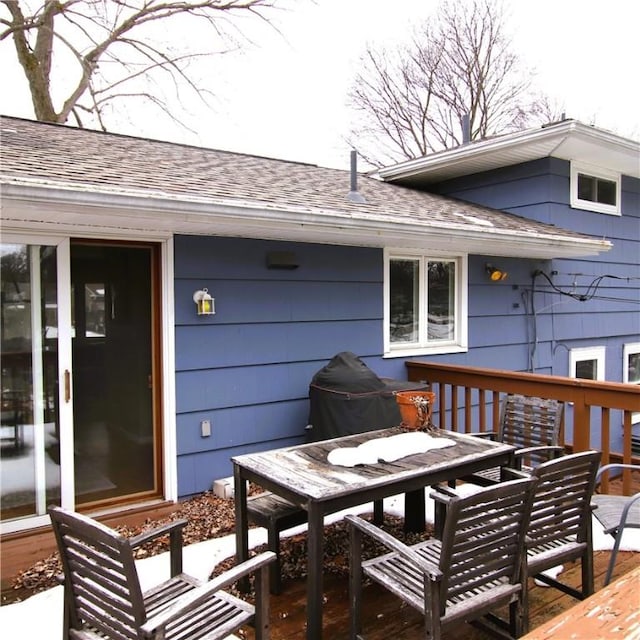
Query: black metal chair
point(530, 424)
point(103, 598)
point(477, 567)
point(560, 526)
point(616, 513)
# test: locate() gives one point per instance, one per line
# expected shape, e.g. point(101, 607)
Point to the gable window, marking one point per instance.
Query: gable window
point(631, 370)
point(425, 304)
point(587, 363)
point(595, 189)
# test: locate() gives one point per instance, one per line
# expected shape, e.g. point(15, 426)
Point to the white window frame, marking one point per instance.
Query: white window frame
point(580, 354)
point(595, 172)
point(628, 350)
point(459, 344)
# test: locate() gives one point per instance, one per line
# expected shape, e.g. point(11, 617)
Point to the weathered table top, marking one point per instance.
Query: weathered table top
point(612, 612)
point(305, 470)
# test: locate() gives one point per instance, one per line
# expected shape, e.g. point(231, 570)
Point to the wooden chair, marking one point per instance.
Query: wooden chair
point(560, 526)
point(616, 513)
point(477, 567)
point(103, 598)
point(530, 424)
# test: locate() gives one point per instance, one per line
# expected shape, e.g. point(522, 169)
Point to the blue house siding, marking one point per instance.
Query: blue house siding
point(539, 190)
point(247, 368)
point(610, 318)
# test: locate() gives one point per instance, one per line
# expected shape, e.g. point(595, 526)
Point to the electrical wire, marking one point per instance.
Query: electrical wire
point(591, 288)
point(528, 299)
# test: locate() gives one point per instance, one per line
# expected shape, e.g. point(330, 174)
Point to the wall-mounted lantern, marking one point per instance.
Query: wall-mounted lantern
point(495, 273)
point(204, 302)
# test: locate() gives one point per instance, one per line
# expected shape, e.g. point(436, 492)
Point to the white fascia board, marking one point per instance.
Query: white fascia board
point(98, 213)
point(565, 140)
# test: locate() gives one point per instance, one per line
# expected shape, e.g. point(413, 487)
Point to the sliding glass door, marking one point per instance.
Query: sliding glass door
point(80, 382)
point(30, 384)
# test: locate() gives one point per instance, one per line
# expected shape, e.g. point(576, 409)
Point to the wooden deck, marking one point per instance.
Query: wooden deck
point(385, 617)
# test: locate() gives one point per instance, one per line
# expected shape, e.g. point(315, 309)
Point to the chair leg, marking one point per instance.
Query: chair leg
point(66, 621)
point(262, 627)
point(355, 584)
point(378, 512)
point(614, 554)
point(523, 609)
point(587, 573)
point(273, 542)
point(518, 624)
point(586, 563)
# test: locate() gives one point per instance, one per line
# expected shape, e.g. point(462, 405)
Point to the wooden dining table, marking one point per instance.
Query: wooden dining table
point(303, 475)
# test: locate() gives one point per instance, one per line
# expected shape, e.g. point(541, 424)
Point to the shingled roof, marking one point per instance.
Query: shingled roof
point(82, 179)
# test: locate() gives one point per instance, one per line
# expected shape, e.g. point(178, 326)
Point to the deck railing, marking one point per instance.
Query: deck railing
point(598, 414)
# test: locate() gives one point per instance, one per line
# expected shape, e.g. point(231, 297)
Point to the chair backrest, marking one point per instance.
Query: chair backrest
point(562, 503)
point(101, 582)
point(484, 537)
point(530, 422)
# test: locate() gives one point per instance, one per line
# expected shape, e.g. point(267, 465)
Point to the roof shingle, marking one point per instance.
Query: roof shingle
point(58, 155)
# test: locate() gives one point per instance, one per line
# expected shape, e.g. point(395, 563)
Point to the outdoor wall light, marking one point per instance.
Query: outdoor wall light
point(495, 273)
point(204, 302)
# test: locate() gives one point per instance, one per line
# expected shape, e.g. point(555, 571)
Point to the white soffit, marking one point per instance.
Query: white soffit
point(568, 140)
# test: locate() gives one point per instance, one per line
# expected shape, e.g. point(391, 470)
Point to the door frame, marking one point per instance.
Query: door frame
point(166, 342)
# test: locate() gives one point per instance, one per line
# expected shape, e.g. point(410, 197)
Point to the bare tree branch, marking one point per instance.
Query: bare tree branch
point(458, 63)
point(113, 43)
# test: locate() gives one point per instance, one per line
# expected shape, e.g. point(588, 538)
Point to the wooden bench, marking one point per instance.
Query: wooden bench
point(276, 514)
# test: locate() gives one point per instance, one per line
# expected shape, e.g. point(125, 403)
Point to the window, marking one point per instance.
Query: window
point(425, 304)
point(587, 363)
point(595, 190)
point(631, 369)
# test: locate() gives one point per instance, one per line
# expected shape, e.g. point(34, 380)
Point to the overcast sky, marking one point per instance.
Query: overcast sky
point(286, 96)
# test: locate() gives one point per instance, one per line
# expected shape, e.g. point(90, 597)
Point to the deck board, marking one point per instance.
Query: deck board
point(387, 617)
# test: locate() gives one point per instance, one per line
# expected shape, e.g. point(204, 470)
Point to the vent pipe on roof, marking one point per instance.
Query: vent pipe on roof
point(466, 129)
point(354, 195)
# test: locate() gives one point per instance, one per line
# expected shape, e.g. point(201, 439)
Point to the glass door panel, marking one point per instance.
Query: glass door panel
point(115, 445)
point(30, 476)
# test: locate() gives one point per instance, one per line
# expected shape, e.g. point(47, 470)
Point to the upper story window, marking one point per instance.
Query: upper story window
point(425, 304)
point(595, 189)
point(587, 363)
point(631, 369)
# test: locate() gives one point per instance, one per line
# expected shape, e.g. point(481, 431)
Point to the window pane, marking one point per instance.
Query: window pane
point(606, 192)
point(94, 310)
point(633, 368)
point(404, 300)
point(587, 369)
point(441, 301)
point(586, 188)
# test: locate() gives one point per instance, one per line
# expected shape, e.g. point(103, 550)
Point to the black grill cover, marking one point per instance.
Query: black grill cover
point(346, 397)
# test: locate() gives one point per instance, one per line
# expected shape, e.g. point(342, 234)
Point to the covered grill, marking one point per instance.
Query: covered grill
point(346, 397)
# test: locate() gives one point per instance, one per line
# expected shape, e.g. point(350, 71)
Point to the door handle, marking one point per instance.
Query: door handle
point(67, 385)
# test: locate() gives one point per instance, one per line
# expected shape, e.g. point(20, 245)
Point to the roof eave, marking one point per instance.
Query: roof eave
point(569, 140)
point(91, 213)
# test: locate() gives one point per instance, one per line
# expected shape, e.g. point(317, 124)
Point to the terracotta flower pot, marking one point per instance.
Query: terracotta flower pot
point(416, 408)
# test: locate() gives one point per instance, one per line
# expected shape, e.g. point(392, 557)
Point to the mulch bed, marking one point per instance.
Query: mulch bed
point(209, 517)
